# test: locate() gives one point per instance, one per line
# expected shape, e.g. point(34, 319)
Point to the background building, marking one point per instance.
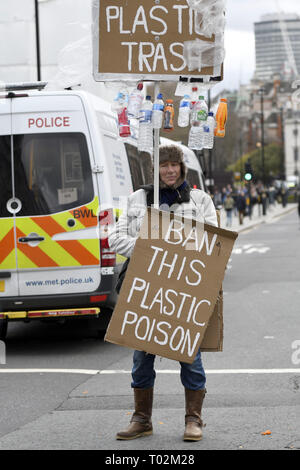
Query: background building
point(272, 37)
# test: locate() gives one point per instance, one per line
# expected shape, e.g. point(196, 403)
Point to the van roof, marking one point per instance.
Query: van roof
point(94, 99)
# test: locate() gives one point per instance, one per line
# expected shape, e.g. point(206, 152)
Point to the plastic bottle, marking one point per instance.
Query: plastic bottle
point(200, 110)
point(184, 111)
point(158, 112)
point(209, 131)
point(221, 118)
point(135, 101)
point(194, 98)
point(120, 107)
point(169, 116)
point(196, 136)
point(145, 140)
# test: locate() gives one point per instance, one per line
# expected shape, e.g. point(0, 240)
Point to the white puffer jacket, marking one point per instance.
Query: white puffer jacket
point(123, 236)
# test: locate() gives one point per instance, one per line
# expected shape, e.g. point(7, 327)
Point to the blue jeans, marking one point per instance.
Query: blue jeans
point(143, 373)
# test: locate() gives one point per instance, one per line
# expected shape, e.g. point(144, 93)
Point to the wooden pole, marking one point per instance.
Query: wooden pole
point(156, 156)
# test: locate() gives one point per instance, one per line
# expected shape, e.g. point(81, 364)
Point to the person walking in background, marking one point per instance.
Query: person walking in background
point(298, 194)
point(241, 206)
point(217, 198)
point(228, 206)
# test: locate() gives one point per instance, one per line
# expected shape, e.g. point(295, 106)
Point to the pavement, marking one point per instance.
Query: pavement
point(275, 210)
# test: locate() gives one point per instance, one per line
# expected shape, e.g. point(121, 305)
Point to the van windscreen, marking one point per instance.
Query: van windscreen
point(52, 172)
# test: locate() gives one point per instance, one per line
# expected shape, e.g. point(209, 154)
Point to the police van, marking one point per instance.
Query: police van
point(63, 170)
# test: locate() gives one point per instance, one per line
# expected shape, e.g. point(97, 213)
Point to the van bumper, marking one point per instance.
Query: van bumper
point(104, 297)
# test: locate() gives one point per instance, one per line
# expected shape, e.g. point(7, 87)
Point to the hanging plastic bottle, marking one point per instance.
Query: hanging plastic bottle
point(120, 107)
point(145, 140)
point(169, 116)
point(209, 131)
point(196, 136)
point(200, 110)
point(135, 101)
point(221, 118)
point(158, 112)
point(194, 98)
point(184, 111)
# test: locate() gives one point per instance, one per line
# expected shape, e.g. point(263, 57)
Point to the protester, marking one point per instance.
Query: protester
point(175, 195)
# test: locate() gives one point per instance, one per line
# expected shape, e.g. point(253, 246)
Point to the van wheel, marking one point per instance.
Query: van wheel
point(3, 329)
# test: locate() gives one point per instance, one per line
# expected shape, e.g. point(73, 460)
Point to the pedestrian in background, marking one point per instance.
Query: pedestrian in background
point(298, 193)
point(241, 206)
point(217, 199)
point(176, 195)
point(228, 206)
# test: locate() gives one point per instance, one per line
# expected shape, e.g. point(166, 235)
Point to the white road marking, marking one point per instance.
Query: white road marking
point(162, 371)
point(250, 248)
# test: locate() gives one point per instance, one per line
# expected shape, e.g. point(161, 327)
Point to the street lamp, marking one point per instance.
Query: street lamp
point(296, 147)
point(261, 92)
point(282, 144)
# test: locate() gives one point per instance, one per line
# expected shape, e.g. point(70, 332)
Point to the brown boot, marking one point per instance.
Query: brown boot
point(193, 422)
point(140, 424)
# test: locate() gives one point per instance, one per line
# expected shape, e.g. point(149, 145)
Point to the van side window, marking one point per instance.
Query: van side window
point(135, 167)
point(193, 179)
point(52, 172)
point(5, 174)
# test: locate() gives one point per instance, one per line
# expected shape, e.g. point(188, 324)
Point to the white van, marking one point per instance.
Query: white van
point(63, 170)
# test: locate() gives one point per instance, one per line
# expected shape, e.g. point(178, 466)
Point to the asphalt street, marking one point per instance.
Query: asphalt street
point(253, 386)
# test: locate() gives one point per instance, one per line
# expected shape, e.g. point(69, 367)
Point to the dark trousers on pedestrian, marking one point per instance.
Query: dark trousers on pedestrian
point(143, 373)
point(241, 217)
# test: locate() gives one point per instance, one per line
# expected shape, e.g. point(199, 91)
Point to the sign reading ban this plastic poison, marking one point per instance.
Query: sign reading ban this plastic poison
point(171, 286)
point(143, 39)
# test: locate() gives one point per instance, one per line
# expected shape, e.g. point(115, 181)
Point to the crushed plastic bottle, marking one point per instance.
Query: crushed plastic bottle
point(184, 111)
point(135, 101)
point(196, 136)
point(145, 139)
point(120, 107)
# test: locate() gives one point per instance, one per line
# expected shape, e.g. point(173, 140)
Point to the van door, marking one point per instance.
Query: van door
point(8, 266)
point(57, 242)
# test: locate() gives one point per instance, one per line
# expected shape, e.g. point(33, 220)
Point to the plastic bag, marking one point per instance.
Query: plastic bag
point(199, 54)
point(209, 16)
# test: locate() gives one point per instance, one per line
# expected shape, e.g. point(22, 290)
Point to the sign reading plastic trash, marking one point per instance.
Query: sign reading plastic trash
point(171, 286)
point(145, 40)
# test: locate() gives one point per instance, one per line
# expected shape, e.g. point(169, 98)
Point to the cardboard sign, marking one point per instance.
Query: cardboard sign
point(143, 40)
point(171, 286)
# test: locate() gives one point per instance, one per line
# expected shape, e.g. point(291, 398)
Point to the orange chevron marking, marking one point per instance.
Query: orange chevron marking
point(81, 254)
point(36, 255)
point(73, 247)
point(7, 245)
point(49, 225)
